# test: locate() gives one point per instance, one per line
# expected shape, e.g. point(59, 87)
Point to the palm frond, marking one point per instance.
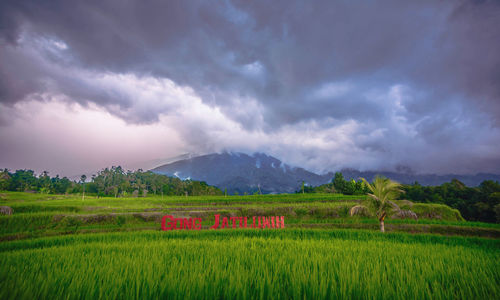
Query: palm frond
point(383, 191)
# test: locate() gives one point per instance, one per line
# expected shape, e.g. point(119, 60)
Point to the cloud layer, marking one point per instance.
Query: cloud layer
point(322, 85)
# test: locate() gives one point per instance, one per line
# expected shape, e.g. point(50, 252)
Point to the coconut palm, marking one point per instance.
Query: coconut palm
point(383, 192)
point(83, 178)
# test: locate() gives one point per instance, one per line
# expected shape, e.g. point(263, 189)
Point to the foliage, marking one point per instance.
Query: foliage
point(350, 187)
point(250, 264)
point(383, 193)
point(339, 185)
point(26, 180)
point(38, 214)
point(474, 203)
point(497, 211)
point(112, 181)
point(115, 181)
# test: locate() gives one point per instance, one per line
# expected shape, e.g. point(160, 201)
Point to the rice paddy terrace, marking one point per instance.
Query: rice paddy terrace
point(57, 246)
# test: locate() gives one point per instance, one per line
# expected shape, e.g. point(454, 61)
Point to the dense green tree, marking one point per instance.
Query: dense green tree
point(496, 208)
point(339, 182)
point(45, 183)
point(474, 203)
point(112, 181)
point(23, 180)
point(5, 179)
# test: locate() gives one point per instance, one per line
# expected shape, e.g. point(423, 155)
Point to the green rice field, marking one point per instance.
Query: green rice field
point(251, 264)
point(60, 247)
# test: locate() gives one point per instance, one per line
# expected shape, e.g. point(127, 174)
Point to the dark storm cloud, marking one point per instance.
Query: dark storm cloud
point(298, 61)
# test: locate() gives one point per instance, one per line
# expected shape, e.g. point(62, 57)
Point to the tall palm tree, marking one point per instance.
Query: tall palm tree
point(82, 180)
point(383, 192)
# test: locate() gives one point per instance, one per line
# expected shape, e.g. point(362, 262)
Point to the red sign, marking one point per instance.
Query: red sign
point(171, 223)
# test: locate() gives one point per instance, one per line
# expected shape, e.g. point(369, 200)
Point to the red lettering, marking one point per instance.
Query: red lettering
point(187, 223)
point(216, 225)
point(171, 223)
point(280, 222)
point(197, 224)
point(233, 220)
point(164, 223)
point(174, 223)
point(224, 223)
point(265, 222)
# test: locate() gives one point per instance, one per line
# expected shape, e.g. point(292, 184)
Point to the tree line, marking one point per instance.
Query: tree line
point(338, 185)
point(114, 181)
point(481, 203)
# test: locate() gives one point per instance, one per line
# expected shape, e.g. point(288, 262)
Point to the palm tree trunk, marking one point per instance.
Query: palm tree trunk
point(381, 220)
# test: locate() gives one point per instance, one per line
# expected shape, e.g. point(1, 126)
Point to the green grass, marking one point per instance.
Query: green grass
point(60, 247)
point(38, 215)
point(151, 200)
point(250, 264)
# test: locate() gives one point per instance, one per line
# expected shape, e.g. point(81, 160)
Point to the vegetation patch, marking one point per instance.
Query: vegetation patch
point(263, 264)
point(436, 211)
point(43, 216)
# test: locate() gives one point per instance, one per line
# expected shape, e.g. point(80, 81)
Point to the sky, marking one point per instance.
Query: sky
point(409, 86)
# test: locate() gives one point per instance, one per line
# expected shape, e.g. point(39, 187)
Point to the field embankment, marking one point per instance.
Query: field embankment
point(38, 215)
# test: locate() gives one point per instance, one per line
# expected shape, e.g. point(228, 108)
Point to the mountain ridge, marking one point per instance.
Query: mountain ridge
point(242, 173)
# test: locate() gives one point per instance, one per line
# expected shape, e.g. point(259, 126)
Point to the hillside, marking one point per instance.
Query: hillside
point(37, 215)
point(242, 173)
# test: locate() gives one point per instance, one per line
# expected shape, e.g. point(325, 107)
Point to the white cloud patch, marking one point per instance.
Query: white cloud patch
point(254, 69)
point(332, 90)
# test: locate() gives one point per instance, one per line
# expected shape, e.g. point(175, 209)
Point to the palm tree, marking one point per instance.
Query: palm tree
point(82, 180)
point(383, 192)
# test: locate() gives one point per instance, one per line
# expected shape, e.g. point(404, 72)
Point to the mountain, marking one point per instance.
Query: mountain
point(239, 172)
point(148, 164)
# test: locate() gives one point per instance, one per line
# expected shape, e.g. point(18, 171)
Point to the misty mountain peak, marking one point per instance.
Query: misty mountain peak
point(240, 172)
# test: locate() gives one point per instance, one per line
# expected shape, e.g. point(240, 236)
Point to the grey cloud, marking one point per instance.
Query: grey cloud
point(446, 53)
